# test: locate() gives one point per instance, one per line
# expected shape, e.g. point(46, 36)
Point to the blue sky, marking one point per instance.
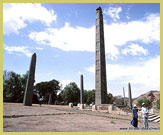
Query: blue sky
point(63, 37)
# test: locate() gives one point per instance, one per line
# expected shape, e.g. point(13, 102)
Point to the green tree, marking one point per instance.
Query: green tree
point(6, 75)
point(46, 88)
point(89, 96)
point(110, 98)
point(85, 94)
point(146, 101)
point(158, 104)
point(60, 97)
point(71, 93)
point(13, 85)
point(119, 101)
point(24, 80)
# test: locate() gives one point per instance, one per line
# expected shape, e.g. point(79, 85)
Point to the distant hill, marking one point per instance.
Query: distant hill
point(152, 95)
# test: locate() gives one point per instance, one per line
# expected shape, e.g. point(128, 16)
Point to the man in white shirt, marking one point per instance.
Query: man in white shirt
point(145, 114)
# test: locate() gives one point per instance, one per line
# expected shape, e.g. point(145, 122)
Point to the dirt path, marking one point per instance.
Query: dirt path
point(52, 118)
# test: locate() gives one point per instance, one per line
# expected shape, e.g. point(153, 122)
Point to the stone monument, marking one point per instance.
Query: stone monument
point(129, 96)
point(81, 90)
point(28, 95)
point(124, 96)
point(50, 99)
point(100, 70)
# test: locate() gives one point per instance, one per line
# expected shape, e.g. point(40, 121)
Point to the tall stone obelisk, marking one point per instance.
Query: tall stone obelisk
point(28, 95)
point(129, 96)
point(124, 96)
point(81, 90)
point(100, 73)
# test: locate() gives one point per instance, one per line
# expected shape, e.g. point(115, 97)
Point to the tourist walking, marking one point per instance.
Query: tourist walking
point(135, 116)
point(40, 100)
point(145, 115)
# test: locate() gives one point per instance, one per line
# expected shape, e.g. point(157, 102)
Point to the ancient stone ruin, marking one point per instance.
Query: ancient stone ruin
point(129, 96)
point(124, 96)
point(81, 90)
point(28, 95)
point(100, 71)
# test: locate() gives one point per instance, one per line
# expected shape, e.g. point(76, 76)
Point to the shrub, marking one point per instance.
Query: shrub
point(158, 104)
point(146, 101)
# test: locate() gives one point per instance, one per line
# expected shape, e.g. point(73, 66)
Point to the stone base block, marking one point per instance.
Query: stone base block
point(78, 105)
point(70, 105)
point(110, 108)
point(102, 107)
point(94, 108)
point(81, 107)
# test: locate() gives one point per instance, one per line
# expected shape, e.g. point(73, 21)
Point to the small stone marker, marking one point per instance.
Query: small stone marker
point(81, 106)
point(78, 105)
point(94, 108)
point(70, 105)
point(110, 108)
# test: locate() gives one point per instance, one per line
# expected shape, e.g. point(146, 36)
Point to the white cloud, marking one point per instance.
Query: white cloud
point(118, 34)
point(145, 75)
point(15, 16)
point(145, 31)
point(70, 38)
point(113, 12)
point(67, 38)
point(135, 49)
point(128, 17)
point(39, 48)
point(18, 50)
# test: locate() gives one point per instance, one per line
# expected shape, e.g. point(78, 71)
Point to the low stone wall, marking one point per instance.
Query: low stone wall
point(102, 107)
point(110, 108)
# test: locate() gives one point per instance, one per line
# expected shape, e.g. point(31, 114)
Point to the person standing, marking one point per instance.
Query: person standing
point(145, 115)
point(40, 100)
point(135, 115)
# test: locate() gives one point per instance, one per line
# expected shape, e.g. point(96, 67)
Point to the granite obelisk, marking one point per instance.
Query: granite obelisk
point(124, 96)
point(28, 95)
point(81, 90)
point(100, 70)
point(129, 96)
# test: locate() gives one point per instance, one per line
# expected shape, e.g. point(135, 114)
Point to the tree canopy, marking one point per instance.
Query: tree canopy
point(147, 102)
point(71, 93)
point(13, 85)
point(47, 89)
point(89, 96)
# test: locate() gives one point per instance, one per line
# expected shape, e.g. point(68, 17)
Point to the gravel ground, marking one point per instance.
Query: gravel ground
point(52, 118)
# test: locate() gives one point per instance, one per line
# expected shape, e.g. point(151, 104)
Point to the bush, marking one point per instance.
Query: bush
point(119, 101)
point(158, 104)
point(110, 98)
point(146, 101)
